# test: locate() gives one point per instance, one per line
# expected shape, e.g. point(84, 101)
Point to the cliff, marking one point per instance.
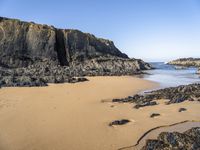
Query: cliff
point(31, 52)
point(23, 43)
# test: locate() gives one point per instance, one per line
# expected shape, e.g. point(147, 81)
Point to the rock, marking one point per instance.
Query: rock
point(119, 122)
point(31, 42)
point(182, 109)
point(143, 104)
point(56, 55)
point(186, 62)
point(154, 115)
point(155, 145)
point(189, 140)
point(173, 95)
point(21, 81)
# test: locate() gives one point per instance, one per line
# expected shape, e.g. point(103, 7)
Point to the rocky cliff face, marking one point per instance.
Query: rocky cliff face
point(56, 55)
point(187, 62)
point(23, 43)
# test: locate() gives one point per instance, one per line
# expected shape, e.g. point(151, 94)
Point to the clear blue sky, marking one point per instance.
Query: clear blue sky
point(153, 30)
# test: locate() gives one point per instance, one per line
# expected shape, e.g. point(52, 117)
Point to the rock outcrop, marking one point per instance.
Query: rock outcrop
point(24, 43)
point(186, 62)
point(172, 95)
point(33, 51)
point(189, 140)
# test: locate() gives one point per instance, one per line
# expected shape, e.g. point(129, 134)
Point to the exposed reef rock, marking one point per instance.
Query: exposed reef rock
point(189, 140)
point(186, 62)
point(33, 55)
point(172, 95)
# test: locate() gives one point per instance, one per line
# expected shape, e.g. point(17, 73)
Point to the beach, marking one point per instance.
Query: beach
point(77, 116)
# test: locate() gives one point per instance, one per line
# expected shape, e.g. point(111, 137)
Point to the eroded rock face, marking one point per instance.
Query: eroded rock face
point(81, 46)
point(187, 62)
point(33, 51)
point(189, 140)
point(24, 43)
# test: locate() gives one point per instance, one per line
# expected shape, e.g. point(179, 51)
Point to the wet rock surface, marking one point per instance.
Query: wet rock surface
point(172, 95)
point(189, 140)
point(34, 55)
point(119, 122)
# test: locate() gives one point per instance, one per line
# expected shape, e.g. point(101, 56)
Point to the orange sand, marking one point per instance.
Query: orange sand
point(72, 116)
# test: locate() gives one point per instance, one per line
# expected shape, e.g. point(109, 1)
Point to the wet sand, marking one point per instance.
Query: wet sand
point(72, 116)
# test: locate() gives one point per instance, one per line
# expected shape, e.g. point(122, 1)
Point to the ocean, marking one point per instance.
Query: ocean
point(168, 76)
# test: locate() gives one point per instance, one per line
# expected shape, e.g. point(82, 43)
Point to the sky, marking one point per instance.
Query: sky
point(153, 30)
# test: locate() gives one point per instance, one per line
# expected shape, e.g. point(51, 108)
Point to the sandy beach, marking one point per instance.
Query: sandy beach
point(73, 116)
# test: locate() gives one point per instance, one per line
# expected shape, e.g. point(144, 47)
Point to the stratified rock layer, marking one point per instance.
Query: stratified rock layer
point(34, 54)
point(189, 140)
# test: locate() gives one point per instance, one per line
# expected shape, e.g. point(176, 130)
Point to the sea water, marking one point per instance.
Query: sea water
point(168, 76)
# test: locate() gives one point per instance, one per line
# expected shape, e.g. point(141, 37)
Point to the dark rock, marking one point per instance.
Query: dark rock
point(173, 95)
point(31, 42)
point(189, 140)
point(182, 109)
point(143, 104)
point(155, 145)
point(119, 122)
point(154, 115)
